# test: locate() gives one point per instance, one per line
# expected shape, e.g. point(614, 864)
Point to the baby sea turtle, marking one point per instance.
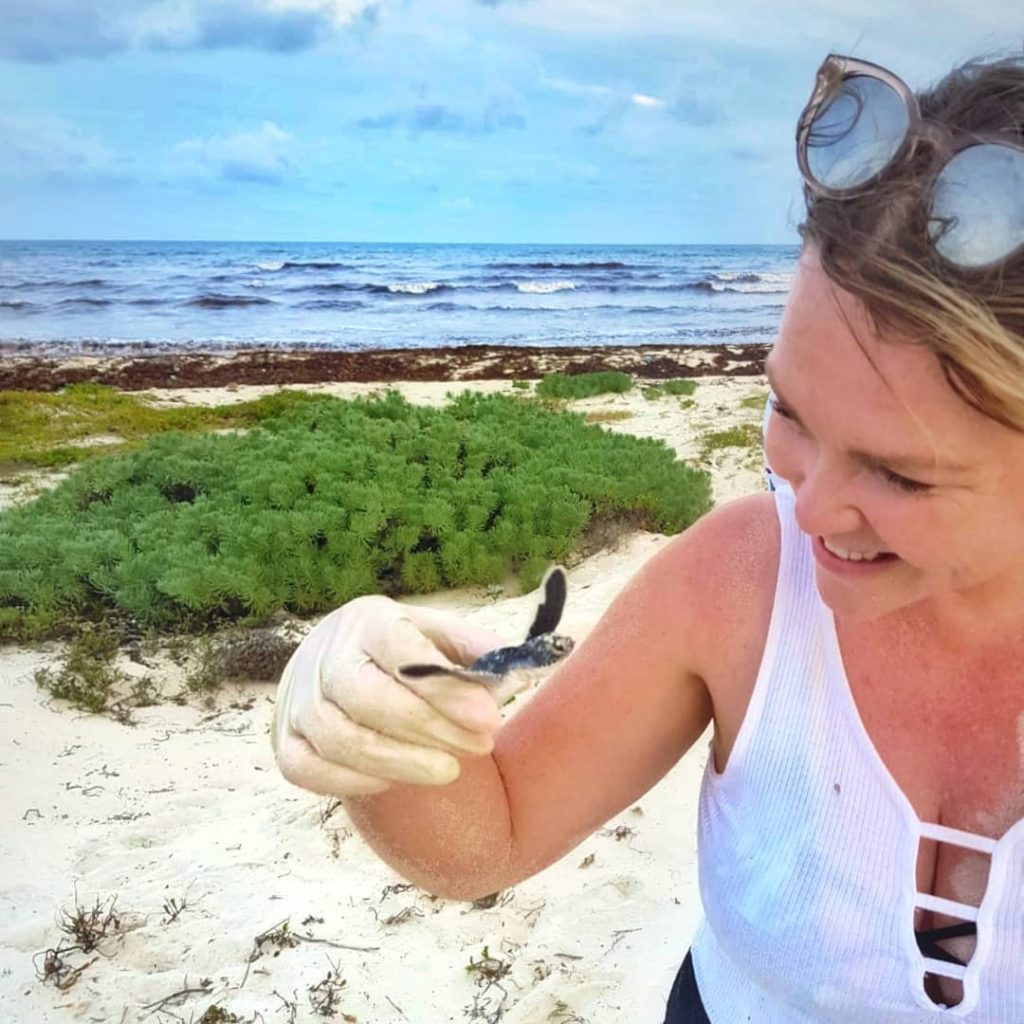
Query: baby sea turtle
point(542, 646)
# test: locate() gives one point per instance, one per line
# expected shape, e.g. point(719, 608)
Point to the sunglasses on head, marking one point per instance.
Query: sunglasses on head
point(861, 119)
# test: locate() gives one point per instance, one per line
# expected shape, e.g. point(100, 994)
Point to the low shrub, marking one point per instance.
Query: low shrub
point(583, 385)
point(743, 435)
point(88, 678)
point(679, 386)
point(325, 501)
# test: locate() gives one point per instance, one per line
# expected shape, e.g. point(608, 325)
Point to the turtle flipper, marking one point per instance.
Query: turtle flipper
point(468, 675)
point(549, 612)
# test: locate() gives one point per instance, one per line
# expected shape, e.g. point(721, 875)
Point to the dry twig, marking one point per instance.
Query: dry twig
point(179, 997)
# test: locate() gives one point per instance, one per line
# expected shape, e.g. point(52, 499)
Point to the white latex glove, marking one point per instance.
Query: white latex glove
point(347, 724)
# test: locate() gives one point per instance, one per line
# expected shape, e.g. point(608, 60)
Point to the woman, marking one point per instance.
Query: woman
point(856, 636)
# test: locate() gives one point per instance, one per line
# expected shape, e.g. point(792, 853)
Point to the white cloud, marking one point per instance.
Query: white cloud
point(53, 147)
point(640, 100)
point(263, 155)
point(925, 33)
point(49, 30)
point(340, 12)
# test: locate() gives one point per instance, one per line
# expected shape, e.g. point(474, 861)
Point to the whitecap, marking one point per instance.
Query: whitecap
point(545, 287)
point(761, 288)
point(270, 265)
point(414, 288)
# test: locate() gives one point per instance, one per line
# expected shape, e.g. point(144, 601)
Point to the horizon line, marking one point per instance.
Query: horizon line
point(320, 241)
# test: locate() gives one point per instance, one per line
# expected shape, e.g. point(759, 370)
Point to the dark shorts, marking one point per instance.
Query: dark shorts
point(684, 1005)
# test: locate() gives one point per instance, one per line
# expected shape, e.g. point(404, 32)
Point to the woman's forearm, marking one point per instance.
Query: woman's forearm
point(455, 841)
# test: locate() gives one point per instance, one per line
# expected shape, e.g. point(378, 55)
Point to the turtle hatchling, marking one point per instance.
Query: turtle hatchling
point(542, 646)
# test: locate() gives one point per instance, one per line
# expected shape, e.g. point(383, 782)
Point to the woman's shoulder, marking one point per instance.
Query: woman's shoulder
point(726, 565)
point(735, 545)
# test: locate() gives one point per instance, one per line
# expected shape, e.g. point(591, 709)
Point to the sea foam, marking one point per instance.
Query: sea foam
point(545, 287)
point(415, 288)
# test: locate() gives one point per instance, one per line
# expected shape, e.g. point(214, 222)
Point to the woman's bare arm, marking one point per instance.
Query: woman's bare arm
point(602, 730)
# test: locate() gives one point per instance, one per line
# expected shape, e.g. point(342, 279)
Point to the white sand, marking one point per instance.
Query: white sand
point(187, 805)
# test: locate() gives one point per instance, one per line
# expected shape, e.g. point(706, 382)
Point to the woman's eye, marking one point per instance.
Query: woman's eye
point(902, 483)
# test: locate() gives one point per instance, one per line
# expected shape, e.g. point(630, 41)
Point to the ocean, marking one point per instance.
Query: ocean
point(180, 295)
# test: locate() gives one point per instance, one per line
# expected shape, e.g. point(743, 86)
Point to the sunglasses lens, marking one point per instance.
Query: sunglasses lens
point(978, 205)
point(857, 133)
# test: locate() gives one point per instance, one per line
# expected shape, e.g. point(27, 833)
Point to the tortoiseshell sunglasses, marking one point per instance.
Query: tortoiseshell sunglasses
point(861, 118)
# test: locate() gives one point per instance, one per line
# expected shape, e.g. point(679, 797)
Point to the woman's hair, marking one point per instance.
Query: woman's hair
point(876, 246)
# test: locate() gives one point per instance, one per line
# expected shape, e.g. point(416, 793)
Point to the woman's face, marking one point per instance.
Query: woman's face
point(955, 522)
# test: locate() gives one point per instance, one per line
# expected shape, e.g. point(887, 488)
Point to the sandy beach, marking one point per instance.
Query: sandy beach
point(235, 897)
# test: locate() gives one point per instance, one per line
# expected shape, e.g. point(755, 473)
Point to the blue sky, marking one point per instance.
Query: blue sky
point(434, 120)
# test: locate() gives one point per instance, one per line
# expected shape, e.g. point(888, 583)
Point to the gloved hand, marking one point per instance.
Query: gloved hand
point(347, 723)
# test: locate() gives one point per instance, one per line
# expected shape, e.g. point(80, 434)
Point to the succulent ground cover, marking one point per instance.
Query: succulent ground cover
point(583, 385)
point(323, 499)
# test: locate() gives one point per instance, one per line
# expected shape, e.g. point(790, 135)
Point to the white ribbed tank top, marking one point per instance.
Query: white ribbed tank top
point(807, 853)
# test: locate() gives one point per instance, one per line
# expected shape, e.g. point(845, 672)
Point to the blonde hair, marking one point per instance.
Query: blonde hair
point(876, 246)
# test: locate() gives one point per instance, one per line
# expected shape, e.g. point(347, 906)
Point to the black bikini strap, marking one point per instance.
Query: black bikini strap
point(929, 939)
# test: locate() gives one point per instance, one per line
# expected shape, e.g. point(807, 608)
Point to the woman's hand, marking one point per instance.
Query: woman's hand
point(347, 723)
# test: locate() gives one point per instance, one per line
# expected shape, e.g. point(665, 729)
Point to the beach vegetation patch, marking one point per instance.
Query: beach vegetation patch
point(679, 387)
point(88, 678)
point(89, 927)
point(325, 996)
point(584, 385)
point(86, 929)
point(39, 430)
point(250, 655)
point(755, 401)
point(216, 1014)
point(328, 500)
point(743, 435)
point(608, 416)
point(744, 440)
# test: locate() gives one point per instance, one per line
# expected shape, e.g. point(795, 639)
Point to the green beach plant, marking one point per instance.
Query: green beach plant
point(755, 401)
point(743, 435)
point(583, 385)
point(679, 386)
point(87, 676)
point(323, 502)
point(44, 430)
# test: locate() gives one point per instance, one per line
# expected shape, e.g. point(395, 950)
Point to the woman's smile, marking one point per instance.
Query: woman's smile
point(841, 564)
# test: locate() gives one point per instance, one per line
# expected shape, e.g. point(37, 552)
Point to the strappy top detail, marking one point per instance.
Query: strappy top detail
point(807, 851)
point(957, 837)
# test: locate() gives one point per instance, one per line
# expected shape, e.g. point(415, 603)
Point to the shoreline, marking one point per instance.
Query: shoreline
point(141, 367)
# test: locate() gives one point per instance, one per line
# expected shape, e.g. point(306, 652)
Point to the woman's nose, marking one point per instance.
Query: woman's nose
point(823, 504)
point(821, 486)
